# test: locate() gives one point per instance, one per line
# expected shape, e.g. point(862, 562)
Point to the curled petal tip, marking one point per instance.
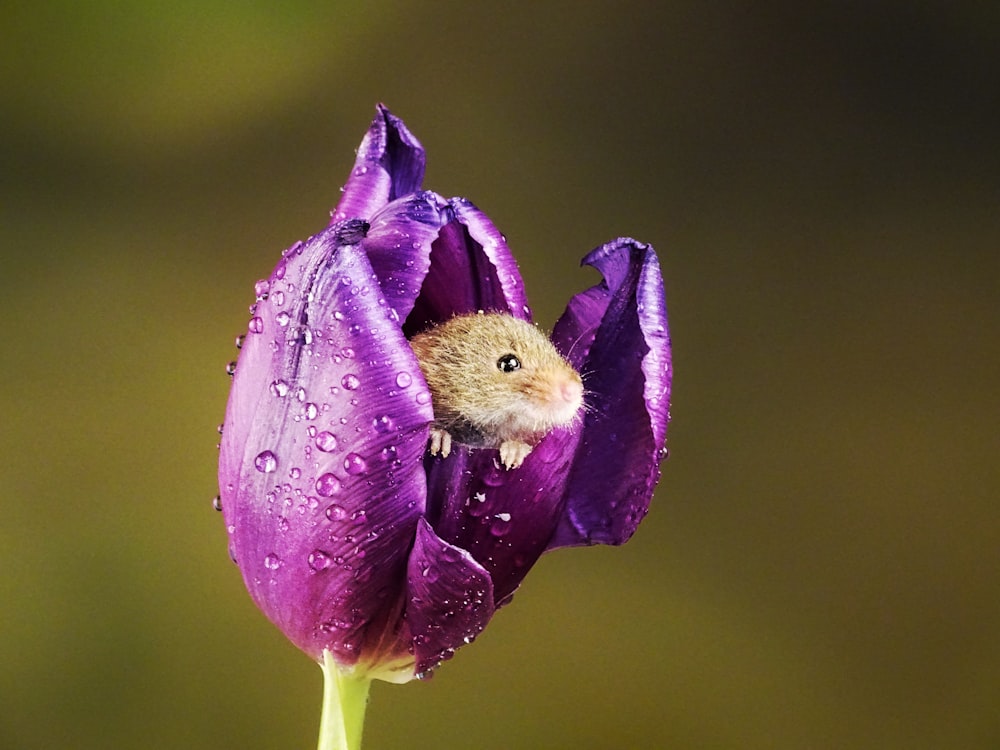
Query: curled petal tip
point(617, 333)
point(390, 164)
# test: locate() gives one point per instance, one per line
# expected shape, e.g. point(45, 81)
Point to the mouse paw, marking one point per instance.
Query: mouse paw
point(440, 442)
point(513, 453)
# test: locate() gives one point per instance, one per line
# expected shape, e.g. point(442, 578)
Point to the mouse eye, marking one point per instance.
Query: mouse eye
point(508, 363)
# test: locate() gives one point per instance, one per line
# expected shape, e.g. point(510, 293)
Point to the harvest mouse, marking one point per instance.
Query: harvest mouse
point(496, 382)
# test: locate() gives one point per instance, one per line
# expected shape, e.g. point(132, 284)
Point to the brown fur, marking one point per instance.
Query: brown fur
point(479, 404)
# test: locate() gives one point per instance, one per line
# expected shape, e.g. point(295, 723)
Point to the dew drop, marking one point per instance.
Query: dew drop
point(382, 424)
point(231, 369)
point(261, 288)
point(403, 379)
point(423, 397)
point(477, 505)
point(328, 485)
point(326, 442)
point(495, 476)
point(239, 341)
point(310, 410)
point(266, 462)
point(278, 298)
point(282, 319)
point(354, 464)
point(336, 512)
point(350, 382)
point(319, 560)
point(500, 525)
point(217, 502)
point(279, 388)
point(295, 472)
point(256, 325)
point(272, 562)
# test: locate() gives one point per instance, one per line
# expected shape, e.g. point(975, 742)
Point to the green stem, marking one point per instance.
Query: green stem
point(344, 701)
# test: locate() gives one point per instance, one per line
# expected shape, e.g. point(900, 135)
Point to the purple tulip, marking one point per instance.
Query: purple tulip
point(350, 537)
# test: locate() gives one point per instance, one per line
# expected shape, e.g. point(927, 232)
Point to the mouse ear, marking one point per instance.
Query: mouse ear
point(616, 334)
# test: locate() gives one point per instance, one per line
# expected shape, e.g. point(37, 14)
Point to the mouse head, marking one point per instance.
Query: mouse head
point(500, 374)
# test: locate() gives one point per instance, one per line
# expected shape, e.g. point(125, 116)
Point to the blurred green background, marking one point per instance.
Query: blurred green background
point(821, 564)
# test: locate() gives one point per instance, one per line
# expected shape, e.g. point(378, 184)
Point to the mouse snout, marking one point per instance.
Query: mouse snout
point(571, 392)
point(565, 399)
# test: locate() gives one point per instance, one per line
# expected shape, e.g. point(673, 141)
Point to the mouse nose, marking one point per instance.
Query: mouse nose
point(571, 392)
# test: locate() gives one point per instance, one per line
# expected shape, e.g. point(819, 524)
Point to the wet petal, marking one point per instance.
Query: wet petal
point(450, 598)
point(616, 332)
point(321, 458)
point(399, 244)
point(471, 269)
point(389, 165)
point(504, 518)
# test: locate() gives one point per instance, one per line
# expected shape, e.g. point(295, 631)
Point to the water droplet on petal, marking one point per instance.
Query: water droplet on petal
point(278, 298)
point(328, 485)
point(256, 325)
point(403, 379)
point(319, 560)
point(261, 288)
point(217, 502)
point(423, 397)
point(310, 410)
point(266, 462)
point(354, 464)
point(382, 424)
point(272, 562)
point(500, 525)
point(336, 512)
point(231, 369)
point(350, 382)
point(282, 319)
point(239, 341)
point(279, 388)
point(326, 442)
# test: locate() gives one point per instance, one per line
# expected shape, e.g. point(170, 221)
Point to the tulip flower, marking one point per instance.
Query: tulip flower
point(374, 557)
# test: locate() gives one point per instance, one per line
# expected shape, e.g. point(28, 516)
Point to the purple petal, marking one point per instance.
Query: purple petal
point(389, 165)
point(617, 334)
point(503, 518)
point(321, 467)
point(450, 598)
point(399, 244)
point(471, 269)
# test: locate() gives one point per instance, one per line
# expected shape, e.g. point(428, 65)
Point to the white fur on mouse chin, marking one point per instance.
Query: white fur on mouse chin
point(496, 382)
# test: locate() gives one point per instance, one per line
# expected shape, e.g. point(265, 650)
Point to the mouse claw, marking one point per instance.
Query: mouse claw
point(513, 453)
point(440, 442)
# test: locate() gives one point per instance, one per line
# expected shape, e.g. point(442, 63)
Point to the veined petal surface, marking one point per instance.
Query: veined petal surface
point(321, 458)
point(616, 334)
